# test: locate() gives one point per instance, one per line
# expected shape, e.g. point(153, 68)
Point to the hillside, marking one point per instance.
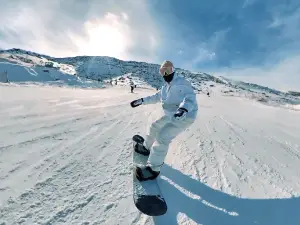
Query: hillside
point(101, 68)
point(99, 71)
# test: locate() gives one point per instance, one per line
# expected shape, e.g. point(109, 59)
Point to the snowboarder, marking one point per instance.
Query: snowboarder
point(180, 107)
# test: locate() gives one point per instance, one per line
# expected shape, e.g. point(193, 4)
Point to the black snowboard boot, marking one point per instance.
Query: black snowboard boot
point(146, 173)
point(141, 149)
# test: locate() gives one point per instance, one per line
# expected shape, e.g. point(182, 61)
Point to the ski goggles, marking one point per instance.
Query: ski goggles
point(166, 71)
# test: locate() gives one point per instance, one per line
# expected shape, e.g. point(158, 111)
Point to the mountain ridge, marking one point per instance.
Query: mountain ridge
point(100, 71)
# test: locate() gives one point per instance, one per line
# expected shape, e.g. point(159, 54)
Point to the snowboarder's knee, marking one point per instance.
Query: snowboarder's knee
point(163, 138)
point(155, 127)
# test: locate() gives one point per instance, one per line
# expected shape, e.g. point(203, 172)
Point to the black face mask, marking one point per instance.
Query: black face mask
point(169, 78)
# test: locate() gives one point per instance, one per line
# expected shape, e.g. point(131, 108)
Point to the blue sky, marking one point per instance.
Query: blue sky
point(250, 40)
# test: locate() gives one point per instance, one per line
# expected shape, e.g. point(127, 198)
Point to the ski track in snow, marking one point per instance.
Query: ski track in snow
point(65, 158)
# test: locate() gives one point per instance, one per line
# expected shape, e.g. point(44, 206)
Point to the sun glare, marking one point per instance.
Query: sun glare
point(105, 40)
point(107, 37)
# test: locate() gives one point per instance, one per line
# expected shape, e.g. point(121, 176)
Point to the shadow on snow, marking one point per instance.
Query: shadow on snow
point(207, 206)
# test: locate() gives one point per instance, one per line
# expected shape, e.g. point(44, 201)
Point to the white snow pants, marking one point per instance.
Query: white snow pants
point(160, 135)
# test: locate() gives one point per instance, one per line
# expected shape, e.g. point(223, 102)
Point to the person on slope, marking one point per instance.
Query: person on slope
point(180, 107)
point(132, 86)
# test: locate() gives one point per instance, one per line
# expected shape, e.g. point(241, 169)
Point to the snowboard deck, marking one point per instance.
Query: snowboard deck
point(147, 195)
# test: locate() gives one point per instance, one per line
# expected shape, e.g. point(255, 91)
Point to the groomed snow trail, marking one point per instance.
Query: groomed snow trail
point(65, 158)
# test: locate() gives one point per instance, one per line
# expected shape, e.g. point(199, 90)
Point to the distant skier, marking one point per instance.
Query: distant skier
point(180, 107)
point(132, 86)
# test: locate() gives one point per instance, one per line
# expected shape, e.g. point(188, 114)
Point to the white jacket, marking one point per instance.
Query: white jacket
point(178, 94)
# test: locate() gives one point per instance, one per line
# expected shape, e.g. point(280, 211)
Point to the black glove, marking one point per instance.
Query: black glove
point(180, 113)
point(137, 102)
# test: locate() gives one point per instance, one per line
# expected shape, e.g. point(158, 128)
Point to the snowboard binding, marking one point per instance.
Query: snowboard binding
point(146, 173)
point(138, 145)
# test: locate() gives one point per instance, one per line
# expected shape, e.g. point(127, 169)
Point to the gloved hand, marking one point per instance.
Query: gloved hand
point(137, 102)
point(180, 114)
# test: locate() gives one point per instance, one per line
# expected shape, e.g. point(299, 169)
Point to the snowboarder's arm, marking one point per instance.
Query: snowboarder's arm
point(152, 99)
point(189, 101)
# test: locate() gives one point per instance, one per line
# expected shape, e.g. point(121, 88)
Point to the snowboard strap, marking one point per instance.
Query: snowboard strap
point(151, 174)
point(139, 148)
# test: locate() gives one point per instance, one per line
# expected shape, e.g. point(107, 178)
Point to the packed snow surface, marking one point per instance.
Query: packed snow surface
point(65, 158)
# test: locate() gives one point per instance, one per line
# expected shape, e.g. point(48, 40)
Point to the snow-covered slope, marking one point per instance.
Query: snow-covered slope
point(87, 71)
point(264, 95)
point(24, 68)
point(101, 68)
point(65, 158)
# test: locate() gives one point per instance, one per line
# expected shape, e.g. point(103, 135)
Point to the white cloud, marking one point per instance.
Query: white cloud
point(281, 69)
point(203, 55)
point(206, 51)
point(125, 16)
point(68, 28)
point(288, 25)
point(248, 3)
point(25, 27)
point(283, 76)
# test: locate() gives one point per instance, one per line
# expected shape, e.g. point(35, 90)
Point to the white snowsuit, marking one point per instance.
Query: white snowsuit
point(178, 94)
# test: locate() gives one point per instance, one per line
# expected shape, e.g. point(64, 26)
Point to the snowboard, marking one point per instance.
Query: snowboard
point(147, 195)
